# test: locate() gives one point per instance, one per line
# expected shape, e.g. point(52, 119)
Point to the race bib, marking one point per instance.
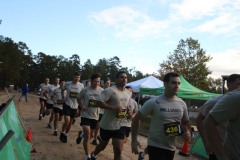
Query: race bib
point(92, 103)
point(122, 114)
point(60, 101)
point(172, 129)
point(73, 94)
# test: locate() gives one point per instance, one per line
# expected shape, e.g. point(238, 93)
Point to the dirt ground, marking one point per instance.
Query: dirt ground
point(49, 147)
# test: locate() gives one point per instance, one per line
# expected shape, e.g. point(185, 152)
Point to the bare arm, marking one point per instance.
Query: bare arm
point(105, 105)
point(214, 139)
point(199, 123)
point(134, 131)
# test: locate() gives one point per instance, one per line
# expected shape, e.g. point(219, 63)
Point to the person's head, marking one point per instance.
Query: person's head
point(233, 82)
point(106, 82)
point(47, 80)
point(121, 78)
point(62, 83)
point(76, 77)
point(130, 89)
point(95, 80)
point(87, 83)
point(171, 83)
point(56, 81)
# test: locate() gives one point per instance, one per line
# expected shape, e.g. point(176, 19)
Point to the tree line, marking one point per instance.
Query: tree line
point(18, 65)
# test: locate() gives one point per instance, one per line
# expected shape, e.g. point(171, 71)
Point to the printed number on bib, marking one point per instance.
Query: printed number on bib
point(60, 101)
point(92, 103)
point(73, 94)
point(122, 114)
point(172, 129)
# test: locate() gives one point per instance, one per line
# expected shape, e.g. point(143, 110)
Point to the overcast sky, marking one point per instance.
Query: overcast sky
point(141, 33)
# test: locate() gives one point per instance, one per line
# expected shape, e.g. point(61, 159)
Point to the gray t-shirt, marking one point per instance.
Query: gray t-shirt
point(228, 110)
point(49, 92)
point(57, 98)
point(43, 87)
point(163, 113)
point(113, 96)
point(205, 109)
point(72, 92)
point(88, 96)
point(132, 107)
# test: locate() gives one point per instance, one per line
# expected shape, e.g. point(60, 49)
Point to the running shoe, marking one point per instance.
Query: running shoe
point(79, 138)
point(94, 142)
point(140, 156)
point(55, 133)
point(40, 117)
point(61, 137)
point(94, 157)
point(49, 126)
point(64, 138)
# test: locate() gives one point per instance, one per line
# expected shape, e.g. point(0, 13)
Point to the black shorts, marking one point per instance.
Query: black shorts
point(88, 122)
point(100, 117)
point(49, 106)
point(42, 100)
point(107, 134)
point(160, 154)
point(58, 110)
point(127, 131)
point(68, 111)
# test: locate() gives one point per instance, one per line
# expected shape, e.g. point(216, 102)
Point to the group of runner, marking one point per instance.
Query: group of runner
point(112, 111)
point(71, 100)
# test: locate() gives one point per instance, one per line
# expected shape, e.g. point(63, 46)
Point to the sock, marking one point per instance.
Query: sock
point(81, 135)
point(88, 156)
point(93, 155)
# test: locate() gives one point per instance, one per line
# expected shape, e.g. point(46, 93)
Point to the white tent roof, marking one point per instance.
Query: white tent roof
point(147, 82)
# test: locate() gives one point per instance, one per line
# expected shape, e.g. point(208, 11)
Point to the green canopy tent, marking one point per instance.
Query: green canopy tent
point(186, 91)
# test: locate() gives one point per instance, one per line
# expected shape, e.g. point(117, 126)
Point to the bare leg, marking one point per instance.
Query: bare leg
point(117, 148)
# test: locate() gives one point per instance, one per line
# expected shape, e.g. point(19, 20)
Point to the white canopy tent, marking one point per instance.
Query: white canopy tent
point(147, 82)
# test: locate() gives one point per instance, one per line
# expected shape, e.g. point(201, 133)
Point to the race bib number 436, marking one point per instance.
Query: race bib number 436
point(172, 129)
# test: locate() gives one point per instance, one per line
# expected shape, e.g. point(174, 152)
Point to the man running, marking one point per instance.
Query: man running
point(168, 113)
point(42, 99)
point(89, 111)
point(115, 101)
point(57, 105)
point(70, 106)
point(49, 103)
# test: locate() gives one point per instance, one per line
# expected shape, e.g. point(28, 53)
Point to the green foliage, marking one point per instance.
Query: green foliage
point(18, 66)
point(189, 60)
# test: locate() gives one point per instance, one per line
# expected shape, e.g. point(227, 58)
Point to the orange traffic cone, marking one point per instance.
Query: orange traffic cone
point(29, 136)
point(184, 150)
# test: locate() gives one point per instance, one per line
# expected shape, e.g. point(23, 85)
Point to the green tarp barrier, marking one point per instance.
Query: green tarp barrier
point(17, 148)
point(198, 147)
point(186, 91)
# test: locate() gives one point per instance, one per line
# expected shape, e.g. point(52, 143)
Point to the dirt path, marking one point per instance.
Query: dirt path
point(49, 147)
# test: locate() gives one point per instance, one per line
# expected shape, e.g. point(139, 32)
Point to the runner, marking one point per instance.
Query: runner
point(89, 111)
point(42, 99)
point(58, 105)
point(131, 112)
point(115, 101)
point(106, 84)
point(168, 113)
point(49, 103)
point(70, 106)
